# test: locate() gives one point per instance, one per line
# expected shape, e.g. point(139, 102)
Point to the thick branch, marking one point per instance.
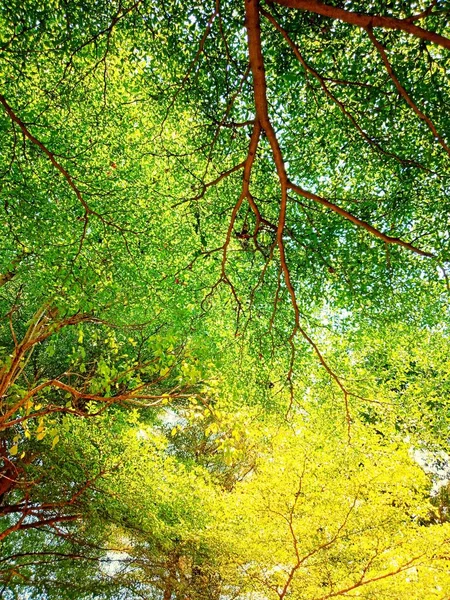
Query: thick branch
point(366, 21)
point(262, 112)
point(20, 525)
point(259, 84)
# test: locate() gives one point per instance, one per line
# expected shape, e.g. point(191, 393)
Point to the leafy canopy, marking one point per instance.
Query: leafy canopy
point(224, 299)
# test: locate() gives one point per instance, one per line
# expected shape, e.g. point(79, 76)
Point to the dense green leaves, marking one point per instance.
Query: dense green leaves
point(224, 299)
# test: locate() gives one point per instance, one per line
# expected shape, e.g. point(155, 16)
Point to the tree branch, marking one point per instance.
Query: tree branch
point(359, 222)
point(333, 98)
point(366, 21)
point(46, 151)
point(402, 91)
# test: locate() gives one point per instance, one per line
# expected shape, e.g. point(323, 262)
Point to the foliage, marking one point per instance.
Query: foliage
point(372, 540)
point(223, 299)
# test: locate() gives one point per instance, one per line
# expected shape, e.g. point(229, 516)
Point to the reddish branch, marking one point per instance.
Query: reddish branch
point(359, 222)
point(31, 509)
point(402, 91)
point(20, 525)
point(42, 327)
point(262, 113)
point(131, 397)
point(8, 472)
point(263, 124)
point(248, 164)
point(331, 96)
point(46, 151)
point(366, 21)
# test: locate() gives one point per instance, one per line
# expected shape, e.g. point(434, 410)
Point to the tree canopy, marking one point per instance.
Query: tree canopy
point(224, 299)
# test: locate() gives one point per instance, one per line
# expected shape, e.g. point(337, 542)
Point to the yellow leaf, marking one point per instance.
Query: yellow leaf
point(13, 450)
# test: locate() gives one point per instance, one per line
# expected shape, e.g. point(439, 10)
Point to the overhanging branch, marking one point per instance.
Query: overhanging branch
point(366, 21)
point(359, 222)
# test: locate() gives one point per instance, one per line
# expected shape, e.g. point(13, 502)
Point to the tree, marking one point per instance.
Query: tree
point(371, 542)
point(269, 216)
point(134, 510)
point(229, 206)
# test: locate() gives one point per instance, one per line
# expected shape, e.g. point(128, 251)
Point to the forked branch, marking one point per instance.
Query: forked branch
point(366, 21)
